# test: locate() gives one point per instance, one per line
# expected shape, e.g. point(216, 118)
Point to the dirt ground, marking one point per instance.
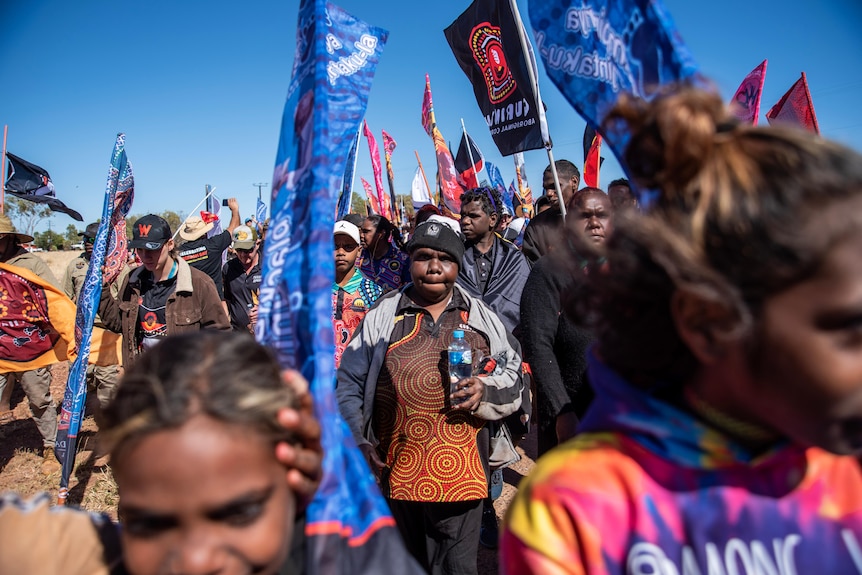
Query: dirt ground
point(92, 485)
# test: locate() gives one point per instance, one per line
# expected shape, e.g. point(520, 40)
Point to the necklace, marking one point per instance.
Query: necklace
point(727, 423)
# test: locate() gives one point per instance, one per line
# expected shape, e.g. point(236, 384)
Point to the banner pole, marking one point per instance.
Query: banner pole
point(195, 209)
point(3, 173)
point(543, 121)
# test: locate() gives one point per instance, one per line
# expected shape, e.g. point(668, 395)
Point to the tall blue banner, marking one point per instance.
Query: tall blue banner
point(496, 180)
point(119, 194)
point(350, 529)
point(594, 51)
point(347, 182)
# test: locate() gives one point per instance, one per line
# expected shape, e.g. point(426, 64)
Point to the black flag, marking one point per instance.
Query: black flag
point(486, 42)
point(30, 182)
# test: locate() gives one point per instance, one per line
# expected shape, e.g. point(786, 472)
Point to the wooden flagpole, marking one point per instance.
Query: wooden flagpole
point(3, 173)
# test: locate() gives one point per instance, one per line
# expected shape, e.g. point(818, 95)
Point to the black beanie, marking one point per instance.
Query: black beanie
point(437, 236)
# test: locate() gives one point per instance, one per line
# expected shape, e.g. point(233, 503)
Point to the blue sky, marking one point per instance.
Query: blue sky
point(199, 86)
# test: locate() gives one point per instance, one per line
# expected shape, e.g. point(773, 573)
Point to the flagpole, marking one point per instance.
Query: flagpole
point(543, 121)
point(3, 173)
point(424, 177)
point(194, 210)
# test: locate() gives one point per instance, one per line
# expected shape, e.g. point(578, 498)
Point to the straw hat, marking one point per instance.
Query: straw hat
point(8, 229)
point(193, 228)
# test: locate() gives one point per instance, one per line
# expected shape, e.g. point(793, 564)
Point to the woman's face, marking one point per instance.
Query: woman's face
point(434, 273)
point(207, 497)
point(368, 235)
point(806, 377)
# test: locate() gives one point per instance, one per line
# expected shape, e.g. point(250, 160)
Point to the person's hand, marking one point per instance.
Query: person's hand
point(374, 462)
point(567, 426)
point(233, 204)
point(304, 460)
point(470, 392)
point(252, 317)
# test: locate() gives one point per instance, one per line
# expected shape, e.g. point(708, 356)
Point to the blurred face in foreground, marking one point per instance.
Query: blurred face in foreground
point(207, 497)
point(805, 378)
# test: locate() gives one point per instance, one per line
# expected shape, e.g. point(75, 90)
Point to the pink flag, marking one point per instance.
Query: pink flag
point(795, 107)
point(372, 199)
point(382, 197)
point(427, 107)
point(745, 104)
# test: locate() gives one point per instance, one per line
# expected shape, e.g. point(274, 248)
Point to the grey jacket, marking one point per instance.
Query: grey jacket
point(364, 356)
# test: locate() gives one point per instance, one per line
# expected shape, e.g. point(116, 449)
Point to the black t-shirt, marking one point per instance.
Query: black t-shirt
point(152, 325)
point(205, 254)
point(240, 291)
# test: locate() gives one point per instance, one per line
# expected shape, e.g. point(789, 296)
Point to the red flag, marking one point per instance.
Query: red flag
point(382, 198)
point(375, 207)
point(592, 156)
point(207, 217)
point(427, 107)
point(795, 107)
point(745, 104)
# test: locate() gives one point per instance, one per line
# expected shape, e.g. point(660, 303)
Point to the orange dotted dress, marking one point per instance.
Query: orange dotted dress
point(431, 449)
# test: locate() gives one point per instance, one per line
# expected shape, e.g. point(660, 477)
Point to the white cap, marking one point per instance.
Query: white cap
point(348, 229)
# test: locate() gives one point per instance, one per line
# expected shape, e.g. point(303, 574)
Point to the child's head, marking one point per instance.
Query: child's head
point(192, 434)
point(481, 209)
point(377, 232)
point(744, 271)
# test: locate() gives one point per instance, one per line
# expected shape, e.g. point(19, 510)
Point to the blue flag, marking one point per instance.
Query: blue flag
point(496, 180)
point(260, 213)
point(350, 528)
point(347, 182)
point(119, 194)
point(594, 51)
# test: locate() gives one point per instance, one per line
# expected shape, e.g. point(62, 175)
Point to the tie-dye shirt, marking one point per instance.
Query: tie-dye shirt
point(648, 488)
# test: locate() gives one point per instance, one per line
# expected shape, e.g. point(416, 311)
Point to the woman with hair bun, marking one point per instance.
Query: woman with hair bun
point(727, 367)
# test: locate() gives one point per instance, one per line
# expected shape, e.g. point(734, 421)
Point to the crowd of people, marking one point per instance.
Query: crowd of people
point(695, 366)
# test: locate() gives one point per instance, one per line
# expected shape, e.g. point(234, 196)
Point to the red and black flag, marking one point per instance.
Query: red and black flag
point(30, 182)
point(469, 161)
point(486, 41)
point(795, 107)
point(592, 157)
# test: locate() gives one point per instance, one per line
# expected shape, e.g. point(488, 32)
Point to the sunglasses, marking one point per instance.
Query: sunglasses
point(89, 240)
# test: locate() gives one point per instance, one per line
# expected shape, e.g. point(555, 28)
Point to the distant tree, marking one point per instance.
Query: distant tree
point(50, 241)
point(26, 215)
point(358, 204)
point(72, 234)
point(408, 206)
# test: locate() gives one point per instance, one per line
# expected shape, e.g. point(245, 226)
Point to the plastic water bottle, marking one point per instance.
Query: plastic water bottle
point(460, 362)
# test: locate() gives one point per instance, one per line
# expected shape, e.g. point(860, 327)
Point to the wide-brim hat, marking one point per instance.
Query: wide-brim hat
point(8, 229)
point(193, 228)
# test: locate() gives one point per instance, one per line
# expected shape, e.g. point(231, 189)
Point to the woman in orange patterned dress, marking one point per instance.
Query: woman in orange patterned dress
point(429, 449)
